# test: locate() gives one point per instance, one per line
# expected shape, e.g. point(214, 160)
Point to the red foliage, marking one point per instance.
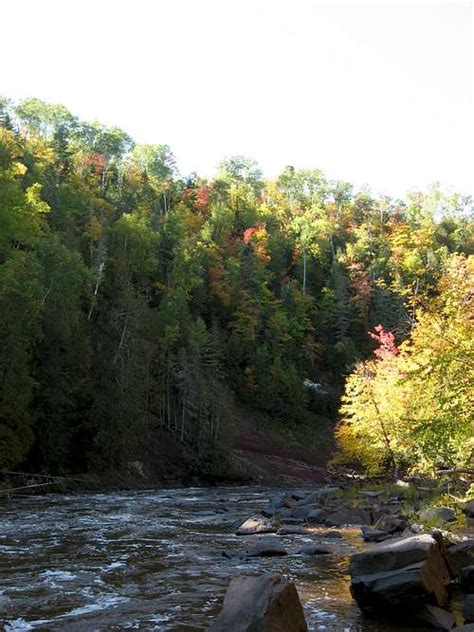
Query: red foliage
point(187, 192)
point(202, 199)
point(96, 161)
point(386, 340)
point(248, 233)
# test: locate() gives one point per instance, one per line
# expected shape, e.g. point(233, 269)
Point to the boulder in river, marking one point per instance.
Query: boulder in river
point(400, 576)
point(267, 603)
point(256, 524)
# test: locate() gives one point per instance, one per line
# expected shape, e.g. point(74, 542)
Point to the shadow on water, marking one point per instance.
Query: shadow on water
point(153, 561)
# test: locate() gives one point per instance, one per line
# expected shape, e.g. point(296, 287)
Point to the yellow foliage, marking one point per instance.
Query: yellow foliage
point(415, 409)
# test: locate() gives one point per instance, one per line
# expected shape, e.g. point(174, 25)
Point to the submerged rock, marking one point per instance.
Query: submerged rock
point(316, 549)
point(268, 603)
point(256, 524)
point(266, 548)
point(400, 576)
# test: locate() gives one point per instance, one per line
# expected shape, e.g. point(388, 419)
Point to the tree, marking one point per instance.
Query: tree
point(412, 407)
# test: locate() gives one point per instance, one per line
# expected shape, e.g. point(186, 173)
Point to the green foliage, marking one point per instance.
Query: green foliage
point(133, 300)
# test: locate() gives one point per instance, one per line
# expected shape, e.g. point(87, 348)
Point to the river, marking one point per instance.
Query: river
point(152, 561)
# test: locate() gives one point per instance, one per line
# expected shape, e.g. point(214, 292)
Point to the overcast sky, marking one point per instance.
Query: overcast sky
point(375, 92)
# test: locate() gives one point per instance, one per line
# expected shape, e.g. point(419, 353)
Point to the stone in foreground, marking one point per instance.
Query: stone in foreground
point(268, 603)
point(400, 576)
point(256, 524)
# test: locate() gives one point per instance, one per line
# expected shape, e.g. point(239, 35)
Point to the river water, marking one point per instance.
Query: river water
point(152, 561)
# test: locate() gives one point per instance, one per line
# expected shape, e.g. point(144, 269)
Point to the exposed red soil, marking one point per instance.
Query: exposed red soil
point(275, 462)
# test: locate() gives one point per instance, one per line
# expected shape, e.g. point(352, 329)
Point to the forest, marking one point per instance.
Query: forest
point(137, 302)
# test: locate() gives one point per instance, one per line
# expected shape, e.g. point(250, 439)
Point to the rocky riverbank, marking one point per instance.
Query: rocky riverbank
point(408, 573)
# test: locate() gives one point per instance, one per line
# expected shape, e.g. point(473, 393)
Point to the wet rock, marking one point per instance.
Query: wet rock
point(468, 609)
point(436, 618)
point(370, 534)
point(268, 603)
point(438, 514)
point(310, 499)
point(320, 496)
point(303, 511)
point(459, 556)
point(400, 575)
point(466, 579)
point(316, 516)
point(285, 501)
point(256, 524)
point(469, 627)
point(284, 513)
point(348, 515)
point(266, 548)
point(316, 549)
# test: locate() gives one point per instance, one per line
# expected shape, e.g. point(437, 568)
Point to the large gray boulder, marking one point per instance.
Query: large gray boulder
point(400, 576)
point(267, 603)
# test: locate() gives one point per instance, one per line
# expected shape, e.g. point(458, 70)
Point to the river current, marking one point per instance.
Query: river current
point(153, 560)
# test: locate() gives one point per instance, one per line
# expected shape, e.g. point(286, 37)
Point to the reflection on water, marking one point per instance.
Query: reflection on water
point(152, 561)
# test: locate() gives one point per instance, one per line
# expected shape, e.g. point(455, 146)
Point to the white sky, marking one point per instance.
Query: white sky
point(376, 92)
